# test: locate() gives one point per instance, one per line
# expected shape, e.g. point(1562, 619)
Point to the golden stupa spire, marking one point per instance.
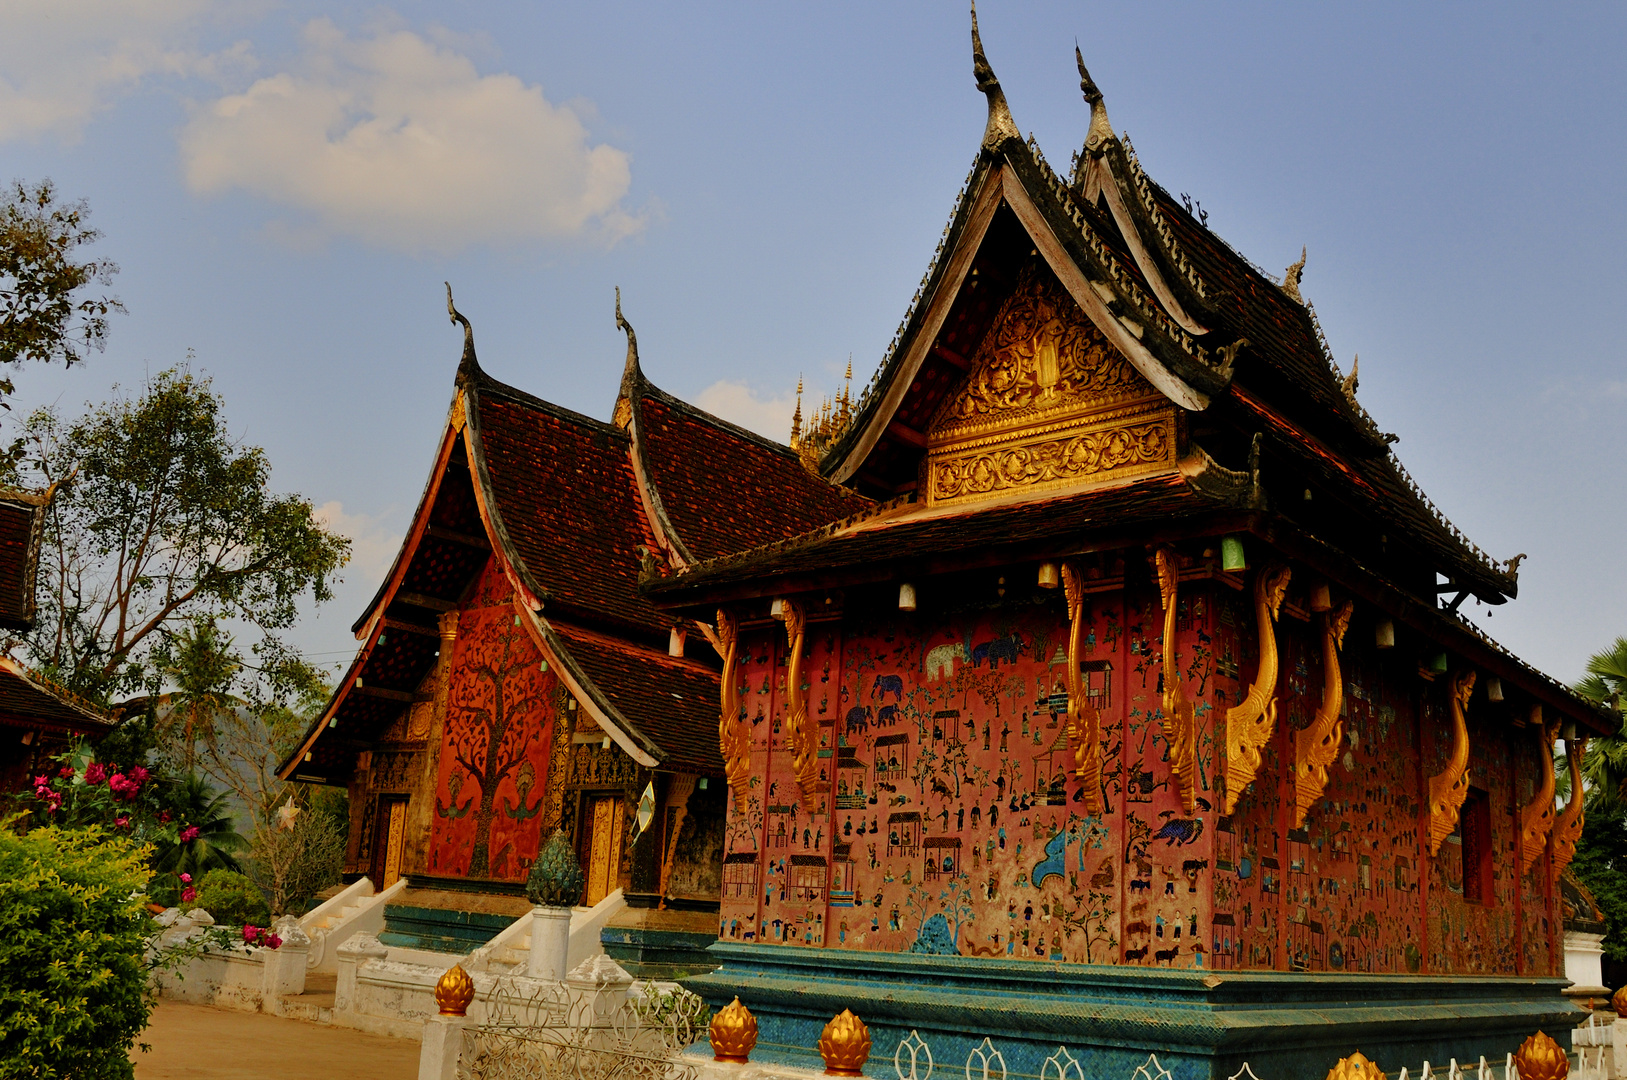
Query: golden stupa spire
point(796, 417)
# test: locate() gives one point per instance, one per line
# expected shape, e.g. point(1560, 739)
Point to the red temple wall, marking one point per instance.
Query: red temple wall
point(493, 772)
point(964, 705)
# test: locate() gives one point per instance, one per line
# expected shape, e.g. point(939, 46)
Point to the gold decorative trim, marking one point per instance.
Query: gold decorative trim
point(1449, 787)
point(1537, 816)
point(798, 733)
point(459, 416)
point(1084, 722)
point(1052, 461)
point(1180, 722)
point(1249, 725)
point(1568, 827)
point(1317, 746)
point(733, 732)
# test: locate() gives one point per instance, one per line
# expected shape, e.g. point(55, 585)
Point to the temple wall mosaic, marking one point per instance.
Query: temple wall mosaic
point(953, 824)
point(494, 755)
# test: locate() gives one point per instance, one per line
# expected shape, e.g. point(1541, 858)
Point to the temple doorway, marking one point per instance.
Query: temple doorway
point(392, 829)
point(604, 821)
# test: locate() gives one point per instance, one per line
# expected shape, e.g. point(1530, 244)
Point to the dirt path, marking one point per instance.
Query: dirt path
point(197, 1042)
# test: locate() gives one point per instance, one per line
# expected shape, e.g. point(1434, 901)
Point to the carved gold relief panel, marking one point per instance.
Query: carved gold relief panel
point(1048, 402)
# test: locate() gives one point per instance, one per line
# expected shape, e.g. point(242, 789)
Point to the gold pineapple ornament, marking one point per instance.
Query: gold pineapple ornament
point(1356, 1067)
point(733, 1033)
point(1540, 1058)
point(845, 1045)
point(454, 991)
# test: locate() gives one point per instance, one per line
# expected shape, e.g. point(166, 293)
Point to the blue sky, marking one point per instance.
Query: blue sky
point(286, 185)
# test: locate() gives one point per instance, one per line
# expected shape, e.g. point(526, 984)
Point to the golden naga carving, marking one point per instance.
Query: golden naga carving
point(1356, 1067)
point(1537, 816)
point(1084, 723)
point(1180, 721)
point(1249, 726)
point(1449, 787)
point(1568, 826)
point(804, 743)
point(1316, 746)
point(733, 732)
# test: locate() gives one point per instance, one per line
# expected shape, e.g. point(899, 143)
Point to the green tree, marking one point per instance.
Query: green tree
point(73, 980)
point(161, 520)
point(207, 837)
point(1604, 769)
point(45, 312)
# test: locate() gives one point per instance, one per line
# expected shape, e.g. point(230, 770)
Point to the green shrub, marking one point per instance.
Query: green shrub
point(164, 889)
point(73, 985)
point(232, 899)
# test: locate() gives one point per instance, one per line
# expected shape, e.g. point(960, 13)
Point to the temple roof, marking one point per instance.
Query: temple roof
point(33, 701)
point(22, 516)
point(1208, 329)
point(712, 488)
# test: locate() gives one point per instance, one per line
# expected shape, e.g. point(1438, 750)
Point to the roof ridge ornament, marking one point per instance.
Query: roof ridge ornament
point(632, 375)
point(1001, 126)
point(1349, 383)
point(468, 332)
point(1101, 129)
point(1291, 276)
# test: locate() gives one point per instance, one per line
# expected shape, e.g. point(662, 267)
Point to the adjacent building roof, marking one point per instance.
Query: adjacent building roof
point(30, 700)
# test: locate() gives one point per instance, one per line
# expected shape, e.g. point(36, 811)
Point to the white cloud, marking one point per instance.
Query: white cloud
point(741, 404)
point(400, 141)
point(373, 546)
point(62, 61)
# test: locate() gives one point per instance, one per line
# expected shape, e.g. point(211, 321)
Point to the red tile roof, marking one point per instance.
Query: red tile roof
point(724, 489)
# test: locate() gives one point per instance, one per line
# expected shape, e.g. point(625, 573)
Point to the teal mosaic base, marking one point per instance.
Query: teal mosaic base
point(439, 929)
point(1202, 1025)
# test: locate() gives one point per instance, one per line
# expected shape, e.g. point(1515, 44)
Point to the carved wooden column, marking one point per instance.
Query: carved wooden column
point(1250, 725)
point(1316, 746)
point(1084, 723)
point(1449, 787)
point(421, 807)
point(1180, 722)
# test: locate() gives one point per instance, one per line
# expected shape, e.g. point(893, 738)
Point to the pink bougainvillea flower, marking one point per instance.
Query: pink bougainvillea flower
point(272, 941)
point(250, 932)
point(122, 821)
point(189, 834)
point(66, 770)
point(163, 817)
point(95, 773)
point(188, 895)
point(137, 774)
point(186, 879)
point(42, 781)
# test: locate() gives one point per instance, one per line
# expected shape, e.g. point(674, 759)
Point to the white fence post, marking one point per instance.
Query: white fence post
point(443, 1042)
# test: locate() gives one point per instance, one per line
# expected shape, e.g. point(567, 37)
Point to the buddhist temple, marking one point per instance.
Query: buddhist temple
point(38, 719)
point(1097, 676)
point(511, 678)
point(1139, 711)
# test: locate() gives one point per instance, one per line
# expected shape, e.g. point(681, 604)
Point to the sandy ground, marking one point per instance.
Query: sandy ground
point(201, 1043)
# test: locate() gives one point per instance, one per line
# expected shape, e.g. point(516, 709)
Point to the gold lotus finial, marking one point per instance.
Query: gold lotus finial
point(733, 1033)
point(845, 1045)
point(1540, 1058)
point(1356, 1067)
point(454, 991)
point(1618, 1001)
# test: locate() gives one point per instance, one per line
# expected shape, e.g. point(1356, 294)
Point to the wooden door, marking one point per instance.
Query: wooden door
point(392, 834)
point(604, 846)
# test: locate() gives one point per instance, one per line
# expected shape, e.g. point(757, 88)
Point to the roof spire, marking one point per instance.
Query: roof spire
point(796, 417)
point(631, 375)
point(1001, 126)
point(1291, 276)
point(1101, 130)
point(468, 360)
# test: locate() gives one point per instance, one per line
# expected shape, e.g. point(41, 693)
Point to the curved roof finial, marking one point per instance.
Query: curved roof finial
point(1001, 126)
point(1291, 276)
point(468, 331)
point(631, 375)
point(1101, 130)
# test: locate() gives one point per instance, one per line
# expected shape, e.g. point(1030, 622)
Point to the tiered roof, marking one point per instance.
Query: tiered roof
point(1274, 441)
point(573, 509)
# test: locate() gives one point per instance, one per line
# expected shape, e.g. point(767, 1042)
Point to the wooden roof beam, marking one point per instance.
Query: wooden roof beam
point(433, 603)
point(906, 434)
point(452, 536)
point(411, 627)
point(387, 694)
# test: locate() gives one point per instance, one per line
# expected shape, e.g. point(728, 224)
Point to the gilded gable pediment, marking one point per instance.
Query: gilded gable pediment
point(1047, 402)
